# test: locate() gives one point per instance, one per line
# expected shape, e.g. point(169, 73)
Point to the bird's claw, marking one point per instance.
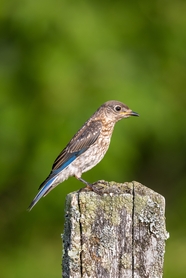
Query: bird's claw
point(97, 188)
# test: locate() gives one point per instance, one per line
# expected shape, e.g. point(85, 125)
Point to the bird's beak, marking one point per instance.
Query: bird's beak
point(131, 113)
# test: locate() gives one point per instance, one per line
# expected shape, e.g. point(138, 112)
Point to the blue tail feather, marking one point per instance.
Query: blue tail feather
point(47, 184)
point(42, 192)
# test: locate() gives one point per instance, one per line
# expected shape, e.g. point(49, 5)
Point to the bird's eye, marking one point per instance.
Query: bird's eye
point(117, 108)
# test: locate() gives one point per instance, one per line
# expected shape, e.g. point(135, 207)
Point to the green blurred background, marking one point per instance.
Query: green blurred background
point(59, 61)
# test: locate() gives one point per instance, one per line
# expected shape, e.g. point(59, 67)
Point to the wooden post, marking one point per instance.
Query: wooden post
point(120, 234)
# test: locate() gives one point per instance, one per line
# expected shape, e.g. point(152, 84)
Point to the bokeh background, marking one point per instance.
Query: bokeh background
point(59, 61)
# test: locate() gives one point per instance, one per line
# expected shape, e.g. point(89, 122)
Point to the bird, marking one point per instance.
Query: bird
point(86, 148)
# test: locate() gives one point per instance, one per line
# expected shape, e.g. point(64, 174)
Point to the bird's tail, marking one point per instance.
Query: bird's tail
point(42, 192)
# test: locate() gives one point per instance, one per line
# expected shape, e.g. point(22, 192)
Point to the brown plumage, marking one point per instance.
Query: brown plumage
point(86, 148)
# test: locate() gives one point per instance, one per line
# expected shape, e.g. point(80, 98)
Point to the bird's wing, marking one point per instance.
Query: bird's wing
point(83, 139)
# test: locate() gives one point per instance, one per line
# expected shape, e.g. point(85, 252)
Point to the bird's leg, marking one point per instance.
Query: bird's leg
point(85, 182)
point(89, 185)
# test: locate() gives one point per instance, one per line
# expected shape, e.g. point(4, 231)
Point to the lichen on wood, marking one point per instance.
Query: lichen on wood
point(120, 233)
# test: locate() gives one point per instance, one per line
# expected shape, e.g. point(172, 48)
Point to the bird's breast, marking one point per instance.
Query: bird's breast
point(92, 156)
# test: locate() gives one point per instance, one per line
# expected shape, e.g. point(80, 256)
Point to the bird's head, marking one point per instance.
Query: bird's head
point(115, 110)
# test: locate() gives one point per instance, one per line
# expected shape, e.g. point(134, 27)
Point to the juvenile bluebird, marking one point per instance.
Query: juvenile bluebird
point(86, 148)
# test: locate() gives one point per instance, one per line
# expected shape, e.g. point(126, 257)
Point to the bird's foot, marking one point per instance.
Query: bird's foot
point(98, 187)
point(93, 187)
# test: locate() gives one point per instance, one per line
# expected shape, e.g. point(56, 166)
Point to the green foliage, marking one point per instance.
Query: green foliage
point(59, 61)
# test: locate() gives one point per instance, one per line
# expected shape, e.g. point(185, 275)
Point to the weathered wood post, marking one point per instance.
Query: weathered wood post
point(119, 234)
